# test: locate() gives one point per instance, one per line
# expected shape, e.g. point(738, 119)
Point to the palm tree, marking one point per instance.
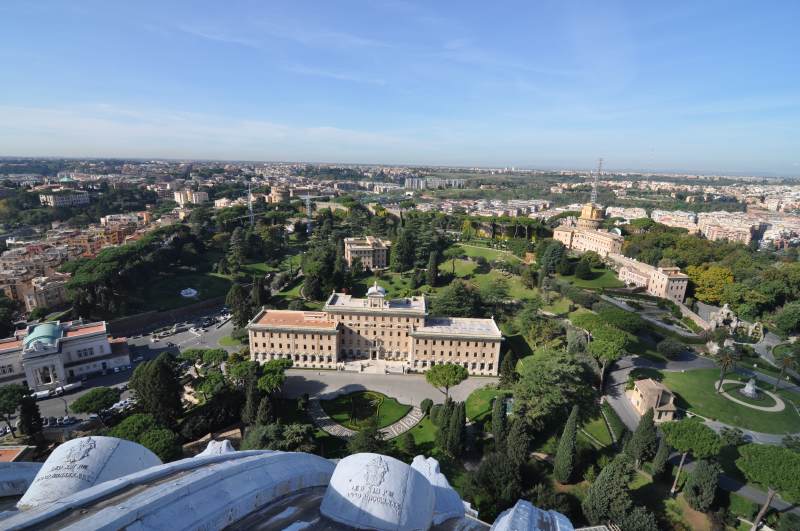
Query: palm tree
point(790, 360)
point(726, 358)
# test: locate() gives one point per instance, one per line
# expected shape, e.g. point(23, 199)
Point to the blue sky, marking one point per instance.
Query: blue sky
point(705, 86)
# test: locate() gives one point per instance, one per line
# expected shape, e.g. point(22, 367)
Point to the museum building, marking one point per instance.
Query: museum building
point(48, 355)
point(375, 328)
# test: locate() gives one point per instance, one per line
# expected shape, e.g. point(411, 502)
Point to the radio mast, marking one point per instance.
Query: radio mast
point(594, 181)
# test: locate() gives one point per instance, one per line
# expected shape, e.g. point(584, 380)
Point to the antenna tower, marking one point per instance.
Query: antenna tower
point(594, 181)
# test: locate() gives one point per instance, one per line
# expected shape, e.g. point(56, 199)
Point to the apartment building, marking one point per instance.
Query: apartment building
point(373, 252)
point(375, 328)
point(190, 197)
point(64, 198)
point(52, 354)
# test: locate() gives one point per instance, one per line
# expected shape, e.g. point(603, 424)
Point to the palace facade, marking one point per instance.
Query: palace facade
point(373, 252)
point(375, 328)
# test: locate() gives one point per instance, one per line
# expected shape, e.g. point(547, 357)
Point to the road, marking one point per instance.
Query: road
point(406, 388)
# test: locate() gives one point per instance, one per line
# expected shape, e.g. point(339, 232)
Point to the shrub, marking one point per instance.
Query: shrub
point(670, 348)
point(426, 405)
point(614, 422)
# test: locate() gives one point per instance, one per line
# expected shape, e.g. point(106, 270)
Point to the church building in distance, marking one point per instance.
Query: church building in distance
point(398, 331)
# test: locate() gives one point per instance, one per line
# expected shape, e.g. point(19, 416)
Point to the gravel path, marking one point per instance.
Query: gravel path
point(327, 424)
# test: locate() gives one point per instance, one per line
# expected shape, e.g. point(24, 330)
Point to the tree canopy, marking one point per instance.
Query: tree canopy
point(446, 375)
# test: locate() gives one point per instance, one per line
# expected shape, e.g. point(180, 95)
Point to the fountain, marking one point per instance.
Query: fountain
point(750, 390)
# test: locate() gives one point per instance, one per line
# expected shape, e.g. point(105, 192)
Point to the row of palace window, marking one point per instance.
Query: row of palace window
point(288, 345)
point(458, 343)
point(295, 357)
point(475, 366)
point(6, 369)
point(85, 352)
point(450, 354)
point(280, 335)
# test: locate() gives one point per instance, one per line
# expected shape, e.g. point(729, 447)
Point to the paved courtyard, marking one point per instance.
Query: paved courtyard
point(409, 389)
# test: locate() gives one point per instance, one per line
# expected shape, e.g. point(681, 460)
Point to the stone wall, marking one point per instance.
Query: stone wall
point(146, 321)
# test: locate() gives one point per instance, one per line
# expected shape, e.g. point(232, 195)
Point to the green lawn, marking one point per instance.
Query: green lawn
point(396, 285)
point(695, 390)
point(479, 402)
point(558, 306)
point(597, 428)
point(475, 251)
point(352, 409)
point(516, 289)
point(228, 341)
point(603, 278)
point(164, 293)
point(463, 268)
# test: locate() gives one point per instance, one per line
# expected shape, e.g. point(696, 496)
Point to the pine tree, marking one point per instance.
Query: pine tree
point(564, 464)
point(644, 440)
point(433, 269)
point(252, 400)
point(660, 460)
point(264, 414)
point(517, 443)
point(499, 423)
point(701, 485)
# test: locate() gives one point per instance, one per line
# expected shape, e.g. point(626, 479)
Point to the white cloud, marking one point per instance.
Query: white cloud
point(108, 130)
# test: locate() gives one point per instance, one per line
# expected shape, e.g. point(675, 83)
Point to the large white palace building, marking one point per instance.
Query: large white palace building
point(375, 328)
point(49, 355)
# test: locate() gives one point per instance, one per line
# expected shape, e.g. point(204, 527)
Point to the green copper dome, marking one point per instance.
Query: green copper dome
point(46, 333)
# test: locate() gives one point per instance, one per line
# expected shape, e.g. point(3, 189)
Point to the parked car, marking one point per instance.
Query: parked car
point(138, 358)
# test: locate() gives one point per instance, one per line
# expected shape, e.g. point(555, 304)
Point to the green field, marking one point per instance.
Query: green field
point(396, 285)
point(164, 293)
point(475, 251)
point(603, 278)
point(228, 341)
point(516, 289)
point(597, 428)
point(696, 392)
point(463, 268)
point(352, 409)
point(479, 402)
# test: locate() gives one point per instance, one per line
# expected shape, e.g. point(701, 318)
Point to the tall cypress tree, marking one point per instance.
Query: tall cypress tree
point(252, 400)
point(443, 435)
point(517, 443)
point(644, 440)
point(257, 293)
point(456, 428)
point(660, 460)
point(499, 424)
point(433, 268)
point(508, 374)
point(264, 414)
point(30, 418)
point(567, 450)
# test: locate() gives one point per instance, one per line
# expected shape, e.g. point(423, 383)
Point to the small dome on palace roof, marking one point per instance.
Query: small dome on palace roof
point(376, 290)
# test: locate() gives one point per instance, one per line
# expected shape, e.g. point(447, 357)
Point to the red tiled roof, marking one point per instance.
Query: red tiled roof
point(100, 327)
point(299, 319)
